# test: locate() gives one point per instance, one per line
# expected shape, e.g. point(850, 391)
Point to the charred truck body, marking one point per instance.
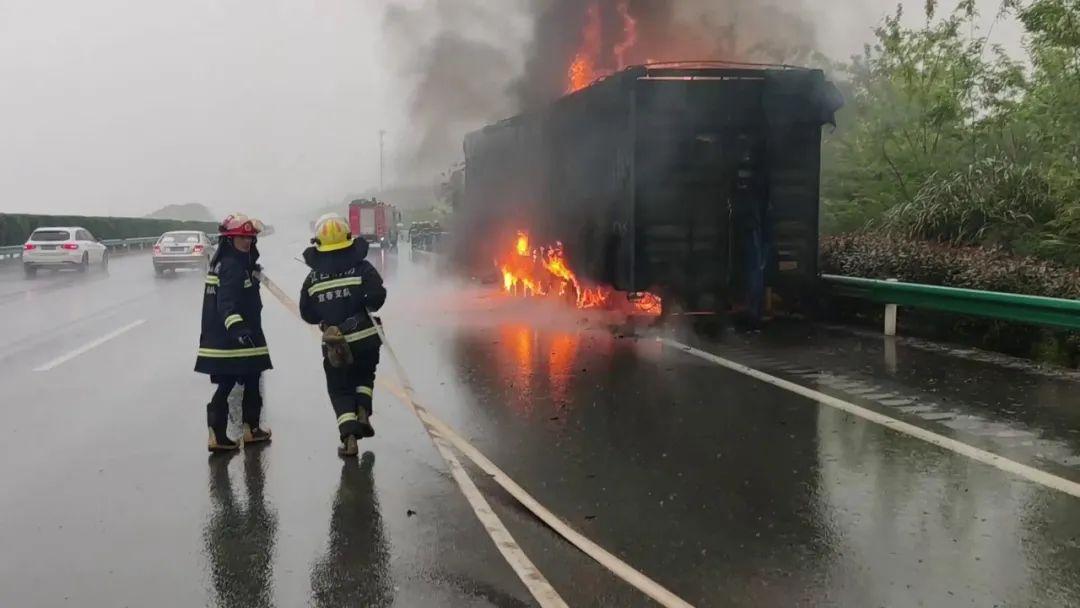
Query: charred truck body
point(699, 183)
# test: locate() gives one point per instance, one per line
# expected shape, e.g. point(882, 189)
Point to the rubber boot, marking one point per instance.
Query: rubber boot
point(338, 352)
point(348, 447)
point(217, 420)
point(363, 422)
point(256, 435)
point(252, 411)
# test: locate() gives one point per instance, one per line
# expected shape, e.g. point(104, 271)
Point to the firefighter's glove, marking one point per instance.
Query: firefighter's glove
point(338, 353)
point(245, 337)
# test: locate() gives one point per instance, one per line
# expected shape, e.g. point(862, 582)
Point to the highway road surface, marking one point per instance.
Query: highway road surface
point(801, 466)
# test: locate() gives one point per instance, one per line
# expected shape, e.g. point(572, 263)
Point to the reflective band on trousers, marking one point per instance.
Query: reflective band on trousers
point(328, 285)
point(362, 334)
point(214, 280)
point(233, 320)
point(342, 419)
point(365, 390)
point(236, 353)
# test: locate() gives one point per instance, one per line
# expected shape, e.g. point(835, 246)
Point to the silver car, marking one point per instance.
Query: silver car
point(182, 249)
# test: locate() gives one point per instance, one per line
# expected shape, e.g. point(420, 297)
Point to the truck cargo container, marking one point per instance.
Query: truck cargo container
point(697, 182)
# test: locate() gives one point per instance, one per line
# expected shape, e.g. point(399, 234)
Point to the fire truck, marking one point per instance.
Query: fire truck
point(375, 221)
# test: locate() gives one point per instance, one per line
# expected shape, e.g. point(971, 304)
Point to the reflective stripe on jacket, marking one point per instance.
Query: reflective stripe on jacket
point(232, 308)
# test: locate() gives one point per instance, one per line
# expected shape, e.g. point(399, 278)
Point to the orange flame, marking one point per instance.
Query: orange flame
point(583, 69)
point(589, 62)
point(523, 244)
point(545, 271)
point(649, 304)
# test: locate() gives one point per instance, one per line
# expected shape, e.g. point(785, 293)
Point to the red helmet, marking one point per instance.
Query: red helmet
point(239, 224)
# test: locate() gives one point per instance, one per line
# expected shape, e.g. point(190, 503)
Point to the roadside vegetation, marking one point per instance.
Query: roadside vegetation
point(948, 140)
point(956, 164)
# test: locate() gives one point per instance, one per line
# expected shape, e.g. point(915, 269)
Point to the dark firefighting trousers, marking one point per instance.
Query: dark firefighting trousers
point(217, 411)
point(352, 388)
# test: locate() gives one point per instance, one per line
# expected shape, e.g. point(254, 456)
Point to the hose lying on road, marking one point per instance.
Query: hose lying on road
point(529, 574)
point(440, 433)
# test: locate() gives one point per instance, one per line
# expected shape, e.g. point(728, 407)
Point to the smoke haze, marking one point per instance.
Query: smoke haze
point(120, 107)
point(489, 79)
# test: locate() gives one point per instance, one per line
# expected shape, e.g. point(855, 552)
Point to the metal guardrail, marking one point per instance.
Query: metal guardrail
point(14, 253)
point(1033, 310)
point(8, 254)
point(139, 243)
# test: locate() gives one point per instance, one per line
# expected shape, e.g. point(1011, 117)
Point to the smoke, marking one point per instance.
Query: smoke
point(458, 57)
point(647, 31)
point(471, 62)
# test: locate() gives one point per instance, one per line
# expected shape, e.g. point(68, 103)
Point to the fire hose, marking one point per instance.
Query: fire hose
point(443, 436)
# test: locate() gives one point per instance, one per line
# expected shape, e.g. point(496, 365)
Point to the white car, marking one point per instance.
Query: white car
point(182, 249)
point(63, 247)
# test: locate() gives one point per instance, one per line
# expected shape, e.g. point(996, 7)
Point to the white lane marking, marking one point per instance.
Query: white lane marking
point(617, 567)
point(88, 347)
point(989, 458)
point(529, 574)
point(438, 428)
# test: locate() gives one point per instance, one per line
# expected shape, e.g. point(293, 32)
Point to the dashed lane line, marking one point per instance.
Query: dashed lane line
point(1024, 471)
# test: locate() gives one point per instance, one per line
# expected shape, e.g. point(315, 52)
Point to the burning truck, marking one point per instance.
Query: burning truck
point(692, 183)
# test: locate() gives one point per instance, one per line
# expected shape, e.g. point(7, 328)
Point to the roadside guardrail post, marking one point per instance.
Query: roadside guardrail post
point(890, 316)
point(890, 355)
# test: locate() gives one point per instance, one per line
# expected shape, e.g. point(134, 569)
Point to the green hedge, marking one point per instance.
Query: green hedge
point(876, 256)
point(16, 227)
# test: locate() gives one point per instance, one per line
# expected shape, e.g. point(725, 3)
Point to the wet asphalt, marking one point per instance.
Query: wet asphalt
point(728, 491)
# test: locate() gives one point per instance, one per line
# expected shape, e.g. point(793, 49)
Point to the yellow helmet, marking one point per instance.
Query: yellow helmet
point(332, 233)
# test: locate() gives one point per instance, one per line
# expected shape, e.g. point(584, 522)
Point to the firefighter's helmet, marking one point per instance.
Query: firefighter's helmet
point(331, 233)
point(238, 224)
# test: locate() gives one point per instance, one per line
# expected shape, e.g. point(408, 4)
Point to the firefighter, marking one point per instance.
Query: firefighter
point(339, 294)
point(232, 347)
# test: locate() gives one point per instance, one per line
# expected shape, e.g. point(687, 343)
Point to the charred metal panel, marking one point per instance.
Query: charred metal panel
point(654, 177)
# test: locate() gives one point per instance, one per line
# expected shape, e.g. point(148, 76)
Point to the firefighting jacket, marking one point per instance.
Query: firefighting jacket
point(340, 290)
point(232, 340)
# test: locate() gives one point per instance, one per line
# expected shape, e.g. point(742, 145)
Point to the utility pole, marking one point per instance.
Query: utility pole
point(382, 166)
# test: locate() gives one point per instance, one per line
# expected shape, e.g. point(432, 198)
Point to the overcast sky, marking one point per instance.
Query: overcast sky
point(118, 107)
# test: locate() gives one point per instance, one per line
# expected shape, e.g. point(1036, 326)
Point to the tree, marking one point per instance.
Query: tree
point(921, 102)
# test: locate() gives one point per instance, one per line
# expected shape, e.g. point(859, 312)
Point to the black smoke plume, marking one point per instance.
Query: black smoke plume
point(467, 72)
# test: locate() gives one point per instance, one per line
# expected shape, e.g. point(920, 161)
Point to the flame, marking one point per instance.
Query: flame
point(583, 69)
point(649, 304)
point(545, 271)
point(591, 63)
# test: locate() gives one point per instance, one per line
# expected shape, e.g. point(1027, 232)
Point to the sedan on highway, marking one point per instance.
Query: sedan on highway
point(182, 249)
point(63, 247)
